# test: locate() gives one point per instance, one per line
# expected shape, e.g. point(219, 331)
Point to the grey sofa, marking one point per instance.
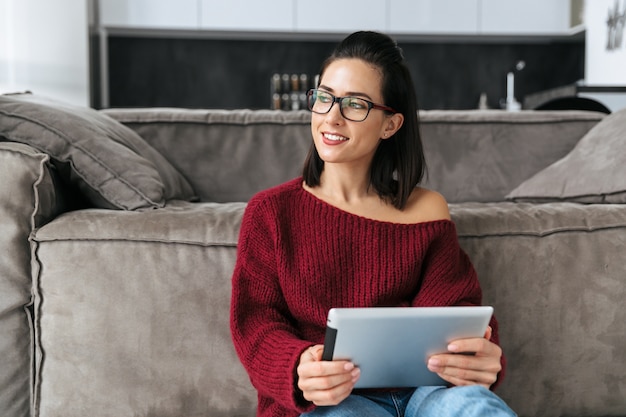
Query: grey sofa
point(119, 229)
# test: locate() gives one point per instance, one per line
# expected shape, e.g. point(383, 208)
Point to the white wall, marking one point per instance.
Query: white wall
point(44, 48)
point(602, 66)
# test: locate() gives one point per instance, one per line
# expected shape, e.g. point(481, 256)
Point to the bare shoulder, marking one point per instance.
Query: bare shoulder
point(427, 205)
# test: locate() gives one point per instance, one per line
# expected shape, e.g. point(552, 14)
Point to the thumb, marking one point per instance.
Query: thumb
point(312, 354)
point(488, 333)
point(317, 352)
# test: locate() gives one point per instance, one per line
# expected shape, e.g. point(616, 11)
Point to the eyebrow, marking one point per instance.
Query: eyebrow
point(348, 94)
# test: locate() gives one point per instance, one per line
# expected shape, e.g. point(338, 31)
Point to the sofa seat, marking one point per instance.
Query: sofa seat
point(556, 276)
point(135, 328)
point(147, 332)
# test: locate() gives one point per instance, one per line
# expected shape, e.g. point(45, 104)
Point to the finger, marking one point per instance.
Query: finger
point(317, 351)
point(490, 364)
point(487, 383)
point(488, 333)
point(314, 369)
point(312, 354)
point(478, 346)
point(328, 389)
point(332, 396)
point(327, 382)
point(464, 369)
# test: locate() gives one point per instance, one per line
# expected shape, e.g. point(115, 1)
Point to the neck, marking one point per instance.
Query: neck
point(345, 185)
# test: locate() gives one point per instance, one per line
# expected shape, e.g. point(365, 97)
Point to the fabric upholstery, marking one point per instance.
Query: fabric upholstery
point(28, 199)
point(555, 274)
point(482, 155)
point(131, 308)
point(147, 334)
point(472, 155)
point(111, 165)
point(157, 317)
point(226, 155)
point(593, 172)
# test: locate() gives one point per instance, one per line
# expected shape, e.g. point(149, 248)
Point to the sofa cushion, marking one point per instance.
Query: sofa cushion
point(556, 276)
point(133, 313)
point(226, 155)
point(28, 199)
point(111, 165)
point(593, 172)
point(474, 155)
point(471, 155)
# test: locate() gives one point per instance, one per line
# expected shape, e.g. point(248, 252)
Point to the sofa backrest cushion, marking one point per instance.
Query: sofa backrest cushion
point(228, 155)
point(110, 164)
point(481, 155)
point(593, 172)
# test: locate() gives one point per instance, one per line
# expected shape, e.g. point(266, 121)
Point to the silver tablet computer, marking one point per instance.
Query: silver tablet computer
point(391, 345)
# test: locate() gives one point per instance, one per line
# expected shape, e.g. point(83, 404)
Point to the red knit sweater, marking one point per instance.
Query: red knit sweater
point(299, 256)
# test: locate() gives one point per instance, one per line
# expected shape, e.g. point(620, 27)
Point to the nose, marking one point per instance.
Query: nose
point(334, 115)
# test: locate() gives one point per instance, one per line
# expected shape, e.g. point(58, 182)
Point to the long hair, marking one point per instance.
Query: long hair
point(398, 164)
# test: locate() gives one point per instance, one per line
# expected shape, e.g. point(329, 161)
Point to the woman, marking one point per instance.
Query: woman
point(355, 231)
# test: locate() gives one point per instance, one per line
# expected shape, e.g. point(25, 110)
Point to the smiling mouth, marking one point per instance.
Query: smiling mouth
point(335, 138)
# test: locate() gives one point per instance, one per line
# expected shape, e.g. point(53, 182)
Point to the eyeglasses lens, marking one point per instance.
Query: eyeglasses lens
point(351, 108)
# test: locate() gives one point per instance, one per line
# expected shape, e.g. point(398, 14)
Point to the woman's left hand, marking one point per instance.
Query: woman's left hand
point(473, 361)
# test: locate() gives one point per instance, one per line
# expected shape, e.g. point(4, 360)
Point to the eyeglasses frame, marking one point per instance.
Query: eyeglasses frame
point(370, 105)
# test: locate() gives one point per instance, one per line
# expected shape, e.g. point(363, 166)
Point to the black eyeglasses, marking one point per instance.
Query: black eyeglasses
point(355, 109)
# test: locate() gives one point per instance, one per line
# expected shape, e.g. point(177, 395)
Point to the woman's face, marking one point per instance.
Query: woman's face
point(339, 140)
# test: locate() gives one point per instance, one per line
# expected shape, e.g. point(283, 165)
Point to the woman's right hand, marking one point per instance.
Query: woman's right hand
point(325, 382)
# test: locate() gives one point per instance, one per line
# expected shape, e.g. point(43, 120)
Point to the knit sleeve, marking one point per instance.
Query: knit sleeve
point(263, 336)
point(449, 279)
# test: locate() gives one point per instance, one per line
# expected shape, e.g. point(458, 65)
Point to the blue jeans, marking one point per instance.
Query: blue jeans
point(470, 401)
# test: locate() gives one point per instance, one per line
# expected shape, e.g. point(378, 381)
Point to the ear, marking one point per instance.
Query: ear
point(392, 125)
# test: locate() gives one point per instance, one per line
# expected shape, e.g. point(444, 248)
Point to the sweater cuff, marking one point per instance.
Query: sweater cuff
point(302, 405)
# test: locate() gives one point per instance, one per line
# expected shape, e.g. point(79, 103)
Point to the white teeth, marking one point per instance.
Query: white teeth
point(334, 137)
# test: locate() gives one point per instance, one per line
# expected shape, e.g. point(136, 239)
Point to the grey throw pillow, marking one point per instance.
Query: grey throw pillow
point(593, 172)
point(111, 165)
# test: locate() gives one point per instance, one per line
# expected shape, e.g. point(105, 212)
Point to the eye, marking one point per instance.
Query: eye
point(324, 97)
point(355, 103)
